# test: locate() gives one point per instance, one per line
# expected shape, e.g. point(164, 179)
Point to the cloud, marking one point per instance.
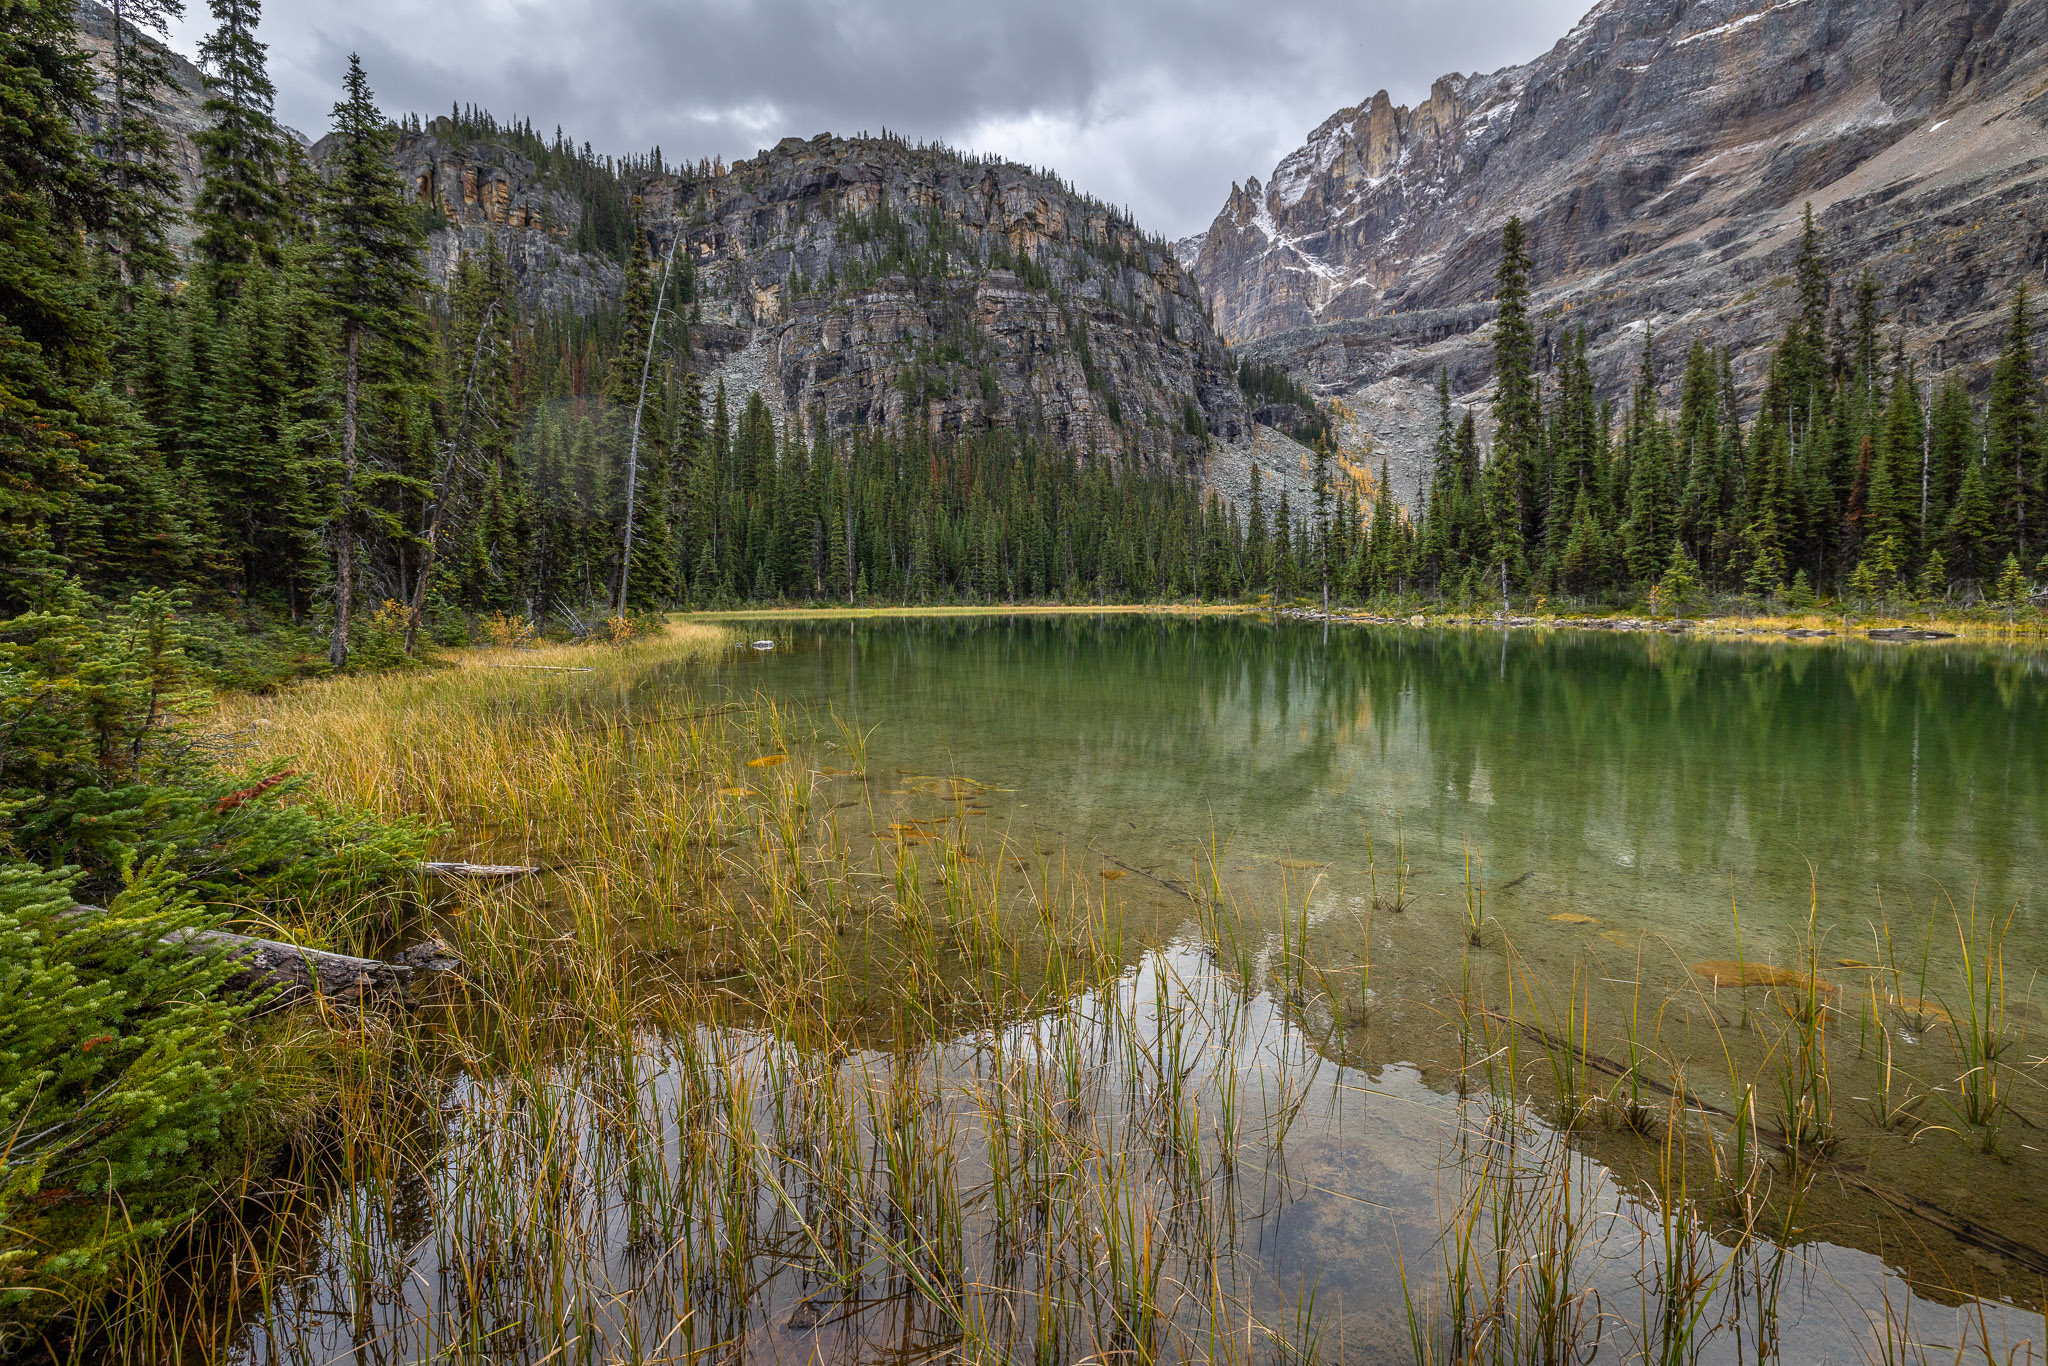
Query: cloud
point(1158, 104)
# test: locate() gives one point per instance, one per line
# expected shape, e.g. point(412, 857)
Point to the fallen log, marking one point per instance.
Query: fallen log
point(297, 973)
point(478, 872)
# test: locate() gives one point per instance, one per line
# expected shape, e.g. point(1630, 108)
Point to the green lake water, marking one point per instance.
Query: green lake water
point(1658, 784)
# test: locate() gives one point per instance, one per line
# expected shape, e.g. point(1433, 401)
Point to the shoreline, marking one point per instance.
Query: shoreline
point(1806, 626)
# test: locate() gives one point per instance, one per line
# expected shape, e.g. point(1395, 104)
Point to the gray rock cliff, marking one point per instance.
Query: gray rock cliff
point(1662, 154)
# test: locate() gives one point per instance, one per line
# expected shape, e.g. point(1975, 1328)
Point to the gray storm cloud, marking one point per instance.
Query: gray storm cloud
point(1158, 104)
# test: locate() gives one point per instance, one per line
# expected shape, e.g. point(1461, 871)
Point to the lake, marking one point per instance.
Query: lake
point(1368, 993)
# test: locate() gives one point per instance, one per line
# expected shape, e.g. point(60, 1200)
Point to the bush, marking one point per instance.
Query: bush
point(98, 773)
point(114, 1088)
point(113, 1079)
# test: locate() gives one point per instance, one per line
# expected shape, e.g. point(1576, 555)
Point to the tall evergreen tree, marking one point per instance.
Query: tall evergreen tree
point(373, 285)
point(52, 190)
point(2012, 436)
point(240, 208)
point(144, 189)
point(1517, 406)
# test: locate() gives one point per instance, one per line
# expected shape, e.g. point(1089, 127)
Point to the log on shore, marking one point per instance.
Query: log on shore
point(297, 973)
point(478, 872)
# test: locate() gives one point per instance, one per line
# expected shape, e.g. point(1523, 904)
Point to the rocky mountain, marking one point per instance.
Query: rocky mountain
point(1662, 154)
point(866, 279)
point(873, 282)
point(880, 283)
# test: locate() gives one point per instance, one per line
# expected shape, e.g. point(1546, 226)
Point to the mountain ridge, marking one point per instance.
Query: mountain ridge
point(864, 279)
point(1661, 154)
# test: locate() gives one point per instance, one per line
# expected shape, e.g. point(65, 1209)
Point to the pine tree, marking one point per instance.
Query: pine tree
point(143, 186)
point(240, 208)
point(1680, 582)
point(2012, 435)
point(1806, 341)
point(2012, 587)
point(1970, 538)
point(372, 283)
point(1583, 565)
point(1952, 444)
point(52, 189)
point(1653, 516)
point(1321, 528)
point(1503, 512)
point(479, 395)
point(1517, 408)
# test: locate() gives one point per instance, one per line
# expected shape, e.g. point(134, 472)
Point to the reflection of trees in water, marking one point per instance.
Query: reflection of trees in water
point(1695, 761)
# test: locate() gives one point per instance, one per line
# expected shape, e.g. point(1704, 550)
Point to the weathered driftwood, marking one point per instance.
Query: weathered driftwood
point(478, 872)
point(297, 973)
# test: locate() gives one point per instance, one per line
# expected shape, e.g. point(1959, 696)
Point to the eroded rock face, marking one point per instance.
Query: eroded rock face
point(1662, 154)
point(877, 285)
point(889, 284)
point(480, 190)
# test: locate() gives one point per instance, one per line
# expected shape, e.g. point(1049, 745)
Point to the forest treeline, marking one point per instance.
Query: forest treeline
point(1856, 474)
point(293, 424)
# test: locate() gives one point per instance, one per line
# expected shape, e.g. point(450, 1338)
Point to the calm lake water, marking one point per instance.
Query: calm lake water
point(1652, 782)
point(1543, 823)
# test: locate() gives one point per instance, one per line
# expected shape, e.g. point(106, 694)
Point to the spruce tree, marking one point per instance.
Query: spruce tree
point(1517, 408)
point(239, 209)
point(1653, 501)
point(1321, 512)
point(52, 190)
point(1503, 519)
point(479, 395)
point(2012, 435)
point(143, 187)
point(372, 284)
point(1970, 538)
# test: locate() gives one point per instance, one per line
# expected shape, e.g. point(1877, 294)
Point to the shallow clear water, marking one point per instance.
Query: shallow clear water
point(1649, 781)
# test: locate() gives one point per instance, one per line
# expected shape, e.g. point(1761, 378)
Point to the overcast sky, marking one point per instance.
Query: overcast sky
point(1158, 104)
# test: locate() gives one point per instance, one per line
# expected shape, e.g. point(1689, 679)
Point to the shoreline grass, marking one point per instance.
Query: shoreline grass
point(1820, 627)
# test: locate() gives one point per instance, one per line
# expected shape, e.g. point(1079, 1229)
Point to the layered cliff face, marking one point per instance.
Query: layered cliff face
point(874, 283)
point(472, 190)
point(1662, 154)
point(879, 284)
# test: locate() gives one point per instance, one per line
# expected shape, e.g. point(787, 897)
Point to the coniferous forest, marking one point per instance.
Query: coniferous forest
point(293, 428)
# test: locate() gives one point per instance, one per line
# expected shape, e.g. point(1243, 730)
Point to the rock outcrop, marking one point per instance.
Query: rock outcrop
point(481, 189)
point(878, 284)
point(874, 284)
point(1662, 154)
